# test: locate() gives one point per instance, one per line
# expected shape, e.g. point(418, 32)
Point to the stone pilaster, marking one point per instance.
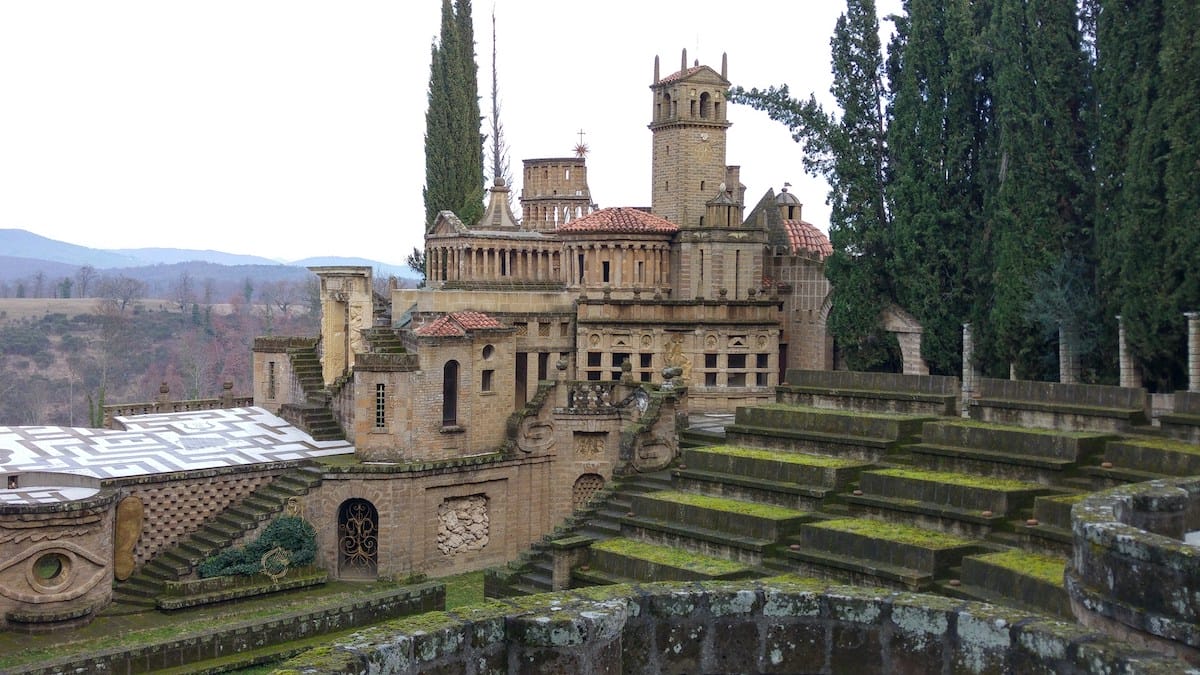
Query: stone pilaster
point(968, 369)
point(1068, 359)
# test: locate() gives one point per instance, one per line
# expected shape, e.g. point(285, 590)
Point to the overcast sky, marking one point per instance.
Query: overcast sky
point(293, 128)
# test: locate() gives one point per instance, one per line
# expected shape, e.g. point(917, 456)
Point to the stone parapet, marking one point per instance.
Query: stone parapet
point(772, 626)
point(1131, 573)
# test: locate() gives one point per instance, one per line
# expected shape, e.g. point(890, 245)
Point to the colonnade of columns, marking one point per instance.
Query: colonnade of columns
point(630, 265)
point(468, 263)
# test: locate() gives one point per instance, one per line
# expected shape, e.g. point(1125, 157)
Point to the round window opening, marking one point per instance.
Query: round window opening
point(51, 568)
point(488, 350)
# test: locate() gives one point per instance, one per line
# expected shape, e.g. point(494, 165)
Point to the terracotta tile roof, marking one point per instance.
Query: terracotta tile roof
point(620, 219)
point(457, 324)
point(681, 74)
point(804, 237)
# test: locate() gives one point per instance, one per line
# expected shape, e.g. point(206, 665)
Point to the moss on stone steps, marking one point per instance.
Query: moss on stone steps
point(895, 532)
point(702, 565)
point(785, 457)
point(753, 509)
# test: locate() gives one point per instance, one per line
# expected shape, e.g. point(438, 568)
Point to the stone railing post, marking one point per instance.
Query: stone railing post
point(227, 394)
point(1068, 362)
point(163, 403)
point(1193, 321)
point(1128, 377)
point(968, 369)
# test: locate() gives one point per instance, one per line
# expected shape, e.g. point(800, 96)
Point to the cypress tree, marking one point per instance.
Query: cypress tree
point(850, 151)
point(937, 136)
point(1147, 157)
point(1040, 208)
point(453, 145)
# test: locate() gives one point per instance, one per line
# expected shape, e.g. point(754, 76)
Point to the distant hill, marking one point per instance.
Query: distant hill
point(24, 254)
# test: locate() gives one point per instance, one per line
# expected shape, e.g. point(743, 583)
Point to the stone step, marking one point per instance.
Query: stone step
point(1046, 471)
point(631, 559)
point(1154, 456)
point(1027, 580)
point(954, 490)
point(760, 490)
point(718, 514)
point(1055, 510)
point(1043, 443)
point(790, 418)
point(802, 469)
point(890, 544)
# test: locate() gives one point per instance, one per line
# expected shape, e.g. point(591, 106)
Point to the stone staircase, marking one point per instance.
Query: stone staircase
point(314, 415)
point(139, 591)
point(971, 509)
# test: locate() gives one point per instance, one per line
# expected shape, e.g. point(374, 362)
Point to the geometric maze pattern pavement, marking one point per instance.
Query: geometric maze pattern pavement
point(152, 444)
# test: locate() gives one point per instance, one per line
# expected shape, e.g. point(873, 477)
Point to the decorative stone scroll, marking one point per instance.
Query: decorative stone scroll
point(462, 524)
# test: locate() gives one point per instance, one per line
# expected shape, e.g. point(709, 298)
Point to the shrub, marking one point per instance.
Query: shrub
point(291, 533)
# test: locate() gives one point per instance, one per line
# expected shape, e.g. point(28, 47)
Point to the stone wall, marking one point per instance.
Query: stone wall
point(774, 626)
point(1131, 574)
point(175, 505)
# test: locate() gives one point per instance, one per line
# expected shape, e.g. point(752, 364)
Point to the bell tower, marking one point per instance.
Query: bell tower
point(689, 141)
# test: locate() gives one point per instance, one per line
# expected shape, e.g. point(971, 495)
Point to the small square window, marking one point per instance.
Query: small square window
point(710, 360)
point(761, 360)
point(593, 359)
point(736, 361)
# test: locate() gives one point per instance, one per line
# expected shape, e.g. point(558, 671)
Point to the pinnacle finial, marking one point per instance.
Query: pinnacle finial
point(683, 61)
point(724, 65)
point(656, 77)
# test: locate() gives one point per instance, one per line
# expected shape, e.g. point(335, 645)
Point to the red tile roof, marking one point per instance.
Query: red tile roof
point(681, 74)
point(620, 219)
point(804, 237)
point(457, 324)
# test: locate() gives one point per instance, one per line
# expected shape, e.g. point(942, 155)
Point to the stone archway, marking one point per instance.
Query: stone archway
point(585, 489)
point(358, 540)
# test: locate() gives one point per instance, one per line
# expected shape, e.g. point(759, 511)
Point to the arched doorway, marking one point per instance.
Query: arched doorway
point(358, 540)
point(586, 487)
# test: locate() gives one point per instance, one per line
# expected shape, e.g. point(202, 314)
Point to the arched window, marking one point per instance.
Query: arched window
point(585, 489)
point(705, 105)
point(666, 107)
point(450, 394)
point(358, 539)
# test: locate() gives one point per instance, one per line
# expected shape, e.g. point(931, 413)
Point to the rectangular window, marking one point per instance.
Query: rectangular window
point(736, 361)
point(604, 270)
point(487, 383)
point(761, 361)
point(380, 405)
point(736, 380)
point(710, 361)
point(593, 375)
point(594, 359)
point(645, 360)
point(760, 379)
point(710, 379)
point(641, 272)
point(270, 379)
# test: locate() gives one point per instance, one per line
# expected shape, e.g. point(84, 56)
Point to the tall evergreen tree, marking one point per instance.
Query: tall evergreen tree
point(453, 144)
point(850, 151)
point(938, 139)
point(1041, 208)
point(1148, 149)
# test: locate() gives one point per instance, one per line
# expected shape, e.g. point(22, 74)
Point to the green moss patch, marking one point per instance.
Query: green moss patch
point(757, 510)
point(1164, 444)
point(959, 479)
point(1042, 567)
point(786, 457)
point(670, 557)
point(894, 532)
point(1067, 499)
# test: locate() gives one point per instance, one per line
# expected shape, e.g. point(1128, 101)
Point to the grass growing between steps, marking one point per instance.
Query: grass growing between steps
point(904, 534)
point(464, 589)
point(786, 457)
point(1166, 444)
point(669, 557)
point(764, 511)
point(959, 479)
point(1042, 567)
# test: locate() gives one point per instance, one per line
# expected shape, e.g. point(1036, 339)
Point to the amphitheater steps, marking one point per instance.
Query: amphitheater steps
point(627, 560)
point(871, 552)
point(717, 526)
point(859, 435)
point(794, 480)
point(1026, 580)
point(960, 504)
point(138, 591)
point(1001, 451)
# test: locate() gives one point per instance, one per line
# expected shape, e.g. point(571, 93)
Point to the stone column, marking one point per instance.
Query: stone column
point(1128, 377)
point(1193, 320)
point(968, 369)
point(1068, 361)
